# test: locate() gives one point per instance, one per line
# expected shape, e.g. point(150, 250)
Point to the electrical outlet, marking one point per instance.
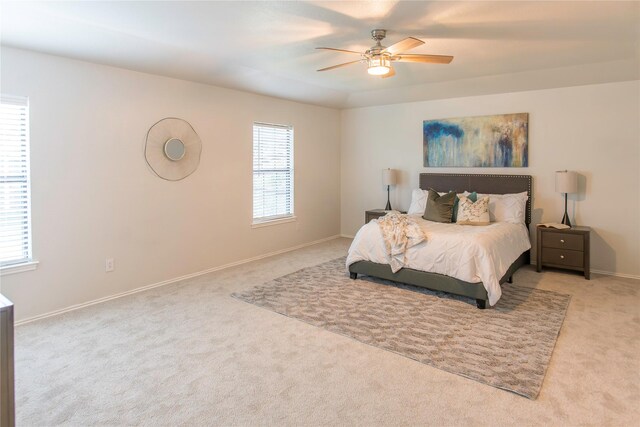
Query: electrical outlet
point(109, 265)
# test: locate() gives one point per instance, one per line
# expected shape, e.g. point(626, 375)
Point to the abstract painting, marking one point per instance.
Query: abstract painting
point(483, 141)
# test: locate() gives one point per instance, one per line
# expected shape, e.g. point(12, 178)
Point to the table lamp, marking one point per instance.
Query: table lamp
point(566, 182)
point(388, 179)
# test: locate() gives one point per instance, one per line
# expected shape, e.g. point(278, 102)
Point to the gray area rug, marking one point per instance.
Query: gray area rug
point(508, 346)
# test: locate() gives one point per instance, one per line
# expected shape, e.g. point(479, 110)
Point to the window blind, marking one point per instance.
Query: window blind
point(15, 215)
point(272, 172)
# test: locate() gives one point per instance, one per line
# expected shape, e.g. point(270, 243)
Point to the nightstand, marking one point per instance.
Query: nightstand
point(375, 214)
point(568, 249)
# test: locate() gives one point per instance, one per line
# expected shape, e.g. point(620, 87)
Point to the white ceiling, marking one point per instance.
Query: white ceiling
point(268, 47)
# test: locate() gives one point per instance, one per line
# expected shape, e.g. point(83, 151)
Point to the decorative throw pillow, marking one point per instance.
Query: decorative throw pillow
point(473, 213)
point(472, 196)
point(439, 208)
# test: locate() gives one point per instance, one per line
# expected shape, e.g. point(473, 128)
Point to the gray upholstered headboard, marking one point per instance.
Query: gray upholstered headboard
point(481, 183)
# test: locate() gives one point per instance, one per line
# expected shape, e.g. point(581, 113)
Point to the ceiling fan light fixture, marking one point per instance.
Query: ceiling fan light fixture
point(379, 65)
point(379, 58)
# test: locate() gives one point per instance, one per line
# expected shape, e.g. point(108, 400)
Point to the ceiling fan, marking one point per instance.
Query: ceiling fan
point(379, 58)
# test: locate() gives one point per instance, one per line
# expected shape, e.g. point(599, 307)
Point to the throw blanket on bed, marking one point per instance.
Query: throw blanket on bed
point(400, 232)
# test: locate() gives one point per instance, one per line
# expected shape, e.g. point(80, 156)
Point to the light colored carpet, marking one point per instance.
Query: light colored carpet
point(507, 346)
point(189, 354)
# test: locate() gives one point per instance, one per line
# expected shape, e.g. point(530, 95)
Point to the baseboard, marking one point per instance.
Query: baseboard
point(348, 236)
point(170, 281)
point(607, 273)
point(611, 273)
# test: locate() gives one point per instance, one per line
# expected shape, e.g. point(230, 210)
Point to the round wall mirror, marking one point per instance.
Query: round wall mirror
point(174, 149)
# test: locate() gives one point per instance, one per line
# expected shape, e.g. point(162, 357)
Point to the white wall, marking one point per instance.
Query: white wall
point(593, 130)
point(94, 196)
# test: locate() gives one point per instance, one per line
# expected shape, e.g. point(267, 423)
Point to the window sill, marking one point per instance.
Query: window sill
point(270, 222)
point(18, 268)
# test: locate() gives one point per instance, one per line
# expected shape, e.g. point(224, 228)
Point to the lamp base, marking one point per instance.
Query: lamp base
point(388, 207)
point(565, 218)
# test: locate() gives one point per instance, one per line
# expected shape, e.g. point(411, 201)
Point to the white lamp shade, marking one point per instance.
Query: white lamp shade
point(388, 177)
point(566, 182)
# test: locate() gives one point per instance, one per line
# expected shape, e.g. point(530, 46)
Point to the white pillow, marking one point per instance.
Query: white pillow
point(473, 213)
point(507, 207)
point(419, 202)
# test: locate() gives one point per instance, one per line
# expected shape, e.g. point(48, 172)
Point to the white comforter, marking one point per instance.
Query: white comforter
point(466, 252)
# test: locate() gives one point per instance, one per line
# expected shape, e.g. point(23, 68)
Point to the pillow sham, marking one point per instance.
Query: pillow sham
point(439, 208)
point(472, 196)
point(507, 207)
point(419, 202)
point(473, 212)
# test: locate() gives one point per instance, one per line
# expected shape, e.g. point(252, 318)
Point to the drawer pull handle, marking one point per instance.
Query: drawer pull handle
point(561, 240)
point(561, 256)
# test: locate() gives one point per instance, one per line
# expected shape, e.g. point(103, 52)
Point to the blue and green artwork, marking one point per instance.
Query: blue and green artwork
point(484, 141)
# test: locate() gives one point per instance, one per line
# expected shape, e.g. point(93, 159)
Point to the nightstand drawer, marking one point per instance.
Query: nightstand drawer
point(562, 241)
point(563, 257)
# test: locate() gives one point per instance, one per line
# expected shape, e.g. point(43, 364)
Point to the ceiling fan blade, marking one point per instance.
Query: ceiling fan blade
point(339, 50)
point(404, 45)
point(391, 73)
point(431, 59)
point(339, 65)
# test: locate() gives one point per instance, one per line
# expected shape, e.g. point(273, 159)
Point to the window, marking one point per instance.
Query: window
point(272, 172)
point(15, 212)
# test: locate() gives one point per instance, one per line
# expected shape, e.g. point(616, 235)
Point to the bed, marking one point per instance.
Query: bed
point(443, 182)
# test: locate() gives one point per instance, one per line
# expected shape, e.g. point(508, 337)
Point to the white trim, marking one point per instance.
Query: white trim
point(268, 222)
point(605, 272)
point(348, 236)
point(23, 102)
point(18, 268)
point(222, 267)
point(170, 281)
point(257, 221)
point(611, 273)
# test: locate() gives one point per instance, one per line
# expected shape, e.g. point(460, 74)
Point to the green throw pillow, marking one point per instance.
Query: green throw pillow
point(471, 196)
point(439, 208)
